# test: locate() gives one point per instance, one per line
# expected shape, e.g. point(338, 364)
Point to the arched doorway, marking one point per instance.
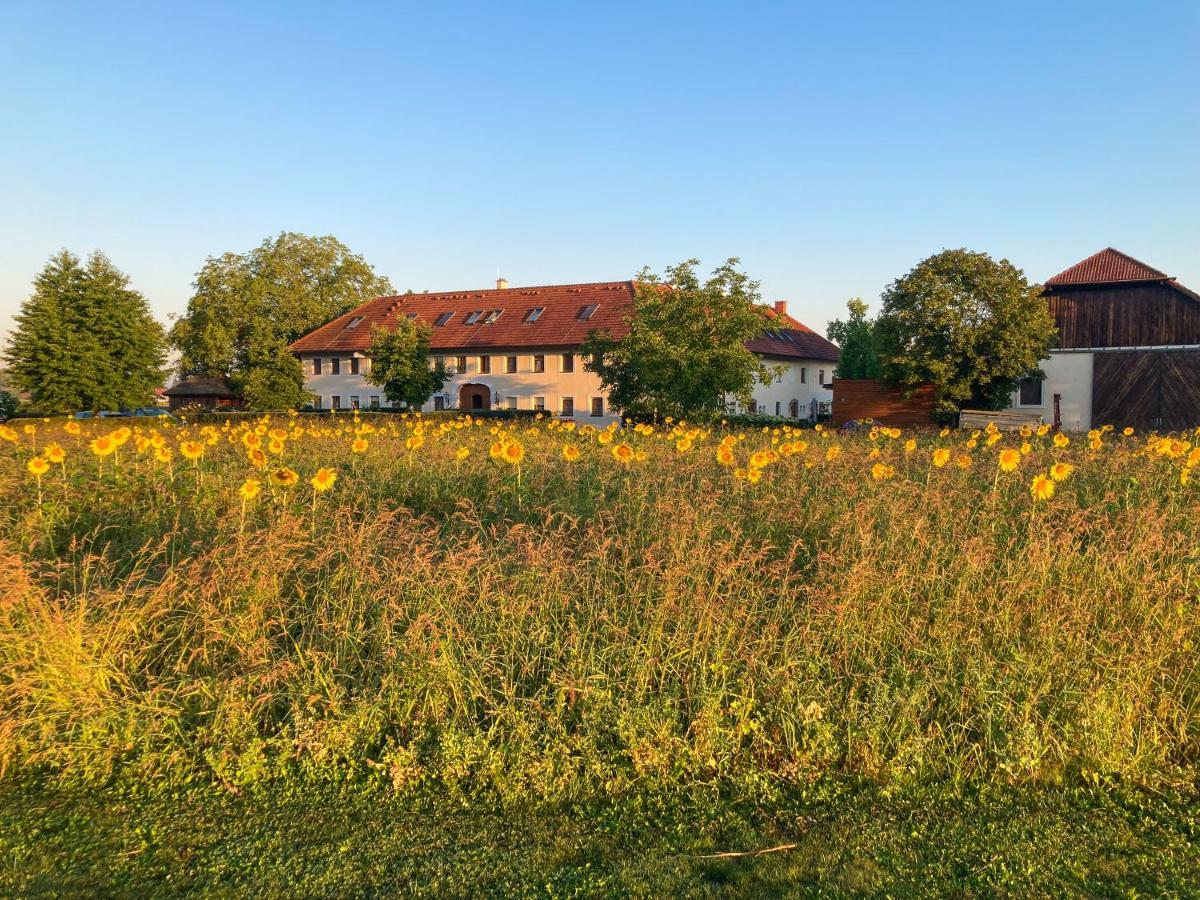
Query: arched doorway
point(475, 396)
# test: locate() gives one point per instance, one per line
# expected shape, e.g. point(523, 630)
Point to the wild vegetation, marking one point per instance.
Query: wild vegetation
point(555, 612)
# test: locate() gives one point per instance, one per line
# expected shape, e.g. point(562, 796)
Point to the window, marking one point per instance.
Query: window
point(794, 408)
point(1031, 392)
point(412, 317)
point(493, 316)
point(539, 403)
point(567, 363)
point(588, 311)
point(568, 406)
point(534, 314)
point(353, 323)
point(439, 403)
point(316, 365)
point(821, 377)
point(375, 401)
point(439, 362)
point(485, 364)
point(335, 366)
point(510, 402)
point(461, 365)
point(354, 365)
point(803, 375)
point(539, 364)
point(473, 317)
point(335, 402)
point(444, 318)
point(597, 406)
point(353, 402)
point(510, 364)
point(777, 407)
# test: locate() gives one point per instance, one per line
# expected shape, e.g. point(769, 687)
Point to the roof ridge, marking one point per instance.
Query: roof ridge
point(1107, 266)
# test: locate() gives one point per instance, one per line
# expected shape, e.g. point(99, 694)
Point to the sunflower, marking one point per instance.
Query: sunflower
point(882, 472)
point(570, 452)
point(941, 456)
point(191, 450)
point(832, 453)
point(604, 437)
point(910, 445)
point(1009, 459)
point(37, 467)
point(1042, 487)
point(250, 489)
point(72, 428)
point(1127, 431)
point(1061, 440)
point(164, 454)
point(103, 445)
point(258, 458)
point(963, 461)
point(513, 452)
point(1061, 471)
point(753, 476)
point(284, 477)
point(323, 480)
point(359, 446)
point(55, 454)
point(462, 453)
point(683, 445)
point(622, 453)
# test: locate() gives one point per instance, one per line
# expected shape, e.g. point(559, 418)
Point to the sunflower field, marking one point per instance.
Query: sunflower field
point(552, 611)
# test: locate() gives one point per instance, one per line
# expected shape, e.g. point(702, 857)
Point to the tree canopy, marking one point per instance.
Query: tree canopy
point(685, 351)
point(965, 323)
point(400, 363)
point(855, 337)
point(248, 307)
point(85, 340)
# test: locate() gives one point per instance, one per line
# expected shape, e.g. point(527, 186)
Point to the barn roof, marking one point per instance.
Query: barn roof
point(201, 386)
point(1106, 267)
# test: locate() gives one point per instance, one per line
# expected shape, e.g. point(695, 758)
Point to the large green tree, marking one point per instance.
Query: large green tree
point(685, 350)
point(247, 308)
point(967, 324)
point(85, 339)
point(855, 337)
point(400, 363)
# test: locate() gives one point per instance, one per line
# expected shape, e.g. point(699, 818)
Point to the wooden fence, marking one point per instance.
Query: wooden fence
point(869, 398)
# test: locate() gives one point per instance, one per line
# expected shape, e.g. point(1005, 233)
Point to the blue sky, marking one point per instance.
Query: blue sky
point(830, 146)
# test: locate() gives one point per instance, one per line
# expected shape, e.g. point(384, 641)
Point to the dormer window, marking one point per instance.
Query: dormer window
point(588, 311)
point(444, 318)
point(534, 314)
point(353, 323)
point(473, 317)
point(493, 316)
point(410, 316)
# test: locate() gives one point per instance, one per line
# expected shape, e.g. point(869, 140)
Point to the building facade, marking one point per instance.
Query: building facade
point(518, 348)
point(1128, 348)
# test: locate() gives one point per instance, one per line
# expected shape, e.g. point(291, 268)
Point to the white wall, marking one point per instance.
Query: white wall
point(525, 385)
point(1069, 374)
point(799, 380)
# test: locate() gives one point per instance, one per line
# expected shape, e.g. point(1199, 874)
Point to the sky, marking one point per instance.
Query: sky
point(829, 146)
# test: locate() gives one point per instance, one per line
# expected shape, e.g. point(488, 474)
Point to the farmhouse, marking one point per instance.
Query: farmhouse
point(1128, 348)
point(518, 348)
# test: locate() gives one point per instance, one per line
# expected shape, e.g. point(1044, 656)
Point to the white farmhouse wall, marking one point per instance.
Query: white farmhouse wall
point(801, 380)
point(524, 385)
point(1069, 374)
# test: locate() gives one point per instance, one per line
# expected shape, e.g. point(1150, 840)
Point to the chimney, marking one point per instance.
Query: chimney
point(501, 284)
point(781, 307)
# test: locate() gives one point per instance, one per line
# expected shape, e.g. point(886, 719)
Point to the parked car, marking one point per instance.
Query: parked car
point(149, 412)
point(103, 414)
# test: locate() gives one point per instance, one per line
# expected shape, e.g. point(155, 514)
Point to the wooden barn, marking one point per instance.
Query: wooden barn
point(1128, 348)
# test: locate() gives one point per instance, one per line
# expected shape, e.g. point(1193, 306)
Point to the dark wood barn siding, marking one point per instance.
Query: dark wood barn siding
point(867, 398)
point(1148, 389)
point(1136, 315)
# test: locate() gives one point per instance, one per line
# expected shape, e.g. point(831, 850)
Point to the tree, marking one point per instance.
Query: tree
point(967, 324)
point(8, 405)
point(400, 363)
point(85, 339)
point(856, 339)
point(685, 351)
point(247, 308)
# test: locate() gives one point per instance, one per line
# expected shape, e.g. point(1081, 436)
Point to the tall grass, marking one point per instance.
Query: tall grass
point(601, 626)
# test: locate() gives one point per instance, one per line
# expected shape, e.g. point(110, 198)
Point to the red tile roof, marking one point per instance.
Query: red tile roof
point(1106, 267)
point(793, 340)
point(558, 325)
